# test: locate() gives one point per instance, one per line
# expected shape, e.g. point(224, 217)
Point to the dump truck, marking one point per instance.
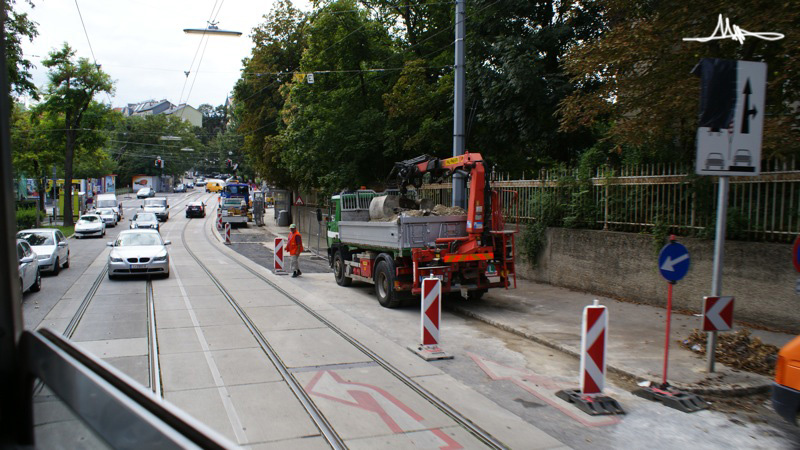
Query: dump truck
point(234, 203)
point(373, 237)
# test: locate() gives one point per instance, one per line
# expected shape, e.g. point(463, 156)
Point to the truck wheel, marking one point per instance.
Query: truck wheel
point(339, 270)
point(384, 286)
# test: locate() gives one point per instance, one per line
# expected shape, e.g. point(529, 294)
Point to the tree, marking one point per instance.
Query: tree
point(18, 27)
point(72, 86)
point(636, 78)
point(214, 121)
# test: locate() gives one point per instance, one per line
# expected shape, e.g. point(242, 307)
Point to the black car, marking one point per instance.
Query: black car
point(196, 209)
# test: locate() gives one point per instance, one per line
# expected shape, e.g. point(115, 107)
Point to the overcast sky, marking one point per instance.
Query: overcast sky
point(141, 44)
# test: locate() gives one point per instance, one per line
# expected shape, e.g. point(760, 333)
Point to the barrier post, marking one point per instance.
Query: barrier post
point(277, 257)
point(594, 337)
point(227, 234)
point(430, 321)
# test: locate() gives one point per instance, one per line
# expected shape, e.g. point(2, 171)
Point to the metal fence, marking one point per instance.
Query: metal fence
point(764, 207)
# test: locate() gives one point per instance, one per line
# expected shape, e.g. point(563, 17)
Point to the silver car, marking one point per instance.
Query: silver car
point(108, 215)
point(51, 247)
point(90, 225)
point(29, 275)
point(157, 206)
point(138, 252)
point(145, 220)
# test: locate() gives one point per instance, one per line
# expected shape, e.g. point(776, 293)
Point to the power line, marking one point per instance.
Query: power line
point(91, 50)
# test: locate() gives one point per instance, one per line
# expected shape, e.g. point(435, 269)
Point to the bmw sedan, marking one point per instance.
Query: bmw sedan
point(29, 275)
point(145, 220)
point(90, 225)
point(51, 247)
point(138, 252)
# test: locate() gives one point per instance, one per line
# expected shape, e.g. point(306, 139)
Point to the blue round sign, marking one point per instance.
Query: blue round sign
point(673, 261)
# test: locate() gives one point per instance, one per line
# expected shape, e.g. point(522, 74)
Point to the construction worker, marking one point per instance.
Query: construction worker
point(295, 247)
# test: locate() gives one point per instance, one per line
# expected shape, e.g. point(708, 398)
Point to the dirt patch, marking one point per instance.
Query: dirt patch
point(438, 210)
point(739, 350)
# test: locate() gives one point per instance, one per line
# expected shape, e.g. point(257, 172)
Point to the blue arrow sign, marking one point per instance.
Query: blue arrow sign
point(673, 261)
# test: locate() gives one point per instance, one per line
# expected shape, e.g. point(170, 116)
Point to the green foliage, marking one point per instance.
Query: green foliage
point(17, 28)
point(26, 218)
point(549, 209)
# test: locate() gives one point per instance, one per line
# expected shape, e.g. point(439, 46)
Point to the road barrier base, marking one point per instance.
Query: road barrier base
point(594, 405)
point(430, 352)
point(673, 398)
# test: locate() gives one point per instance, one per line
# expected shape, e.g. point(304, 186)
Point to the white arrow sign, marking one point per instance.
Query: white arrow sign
point(670, 263)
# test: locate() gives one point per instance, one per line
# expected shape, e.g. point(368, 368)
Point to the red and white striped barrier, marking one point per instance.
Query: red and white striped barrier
point(227, 234)
point(219, 220)
point(277, 256)
point(430, 321)
point(594, 334)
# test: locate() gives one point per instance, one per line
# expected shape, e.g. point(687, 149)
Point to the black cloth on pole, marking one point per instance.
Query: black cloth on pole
point(718, 92)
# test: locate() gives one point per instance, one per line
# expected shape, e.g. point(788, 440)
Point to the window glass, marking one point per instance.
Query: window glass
point(134, 239)
point(155, 202)
point(37, 237)
point(20, 251)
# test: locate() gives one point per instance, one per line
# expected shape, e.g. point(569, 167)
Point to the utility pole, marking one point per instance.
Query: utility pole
point(459, 93)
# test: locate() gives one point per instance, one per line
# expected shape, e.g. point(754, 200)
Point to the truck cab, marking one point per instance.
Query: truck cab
point(786, 388)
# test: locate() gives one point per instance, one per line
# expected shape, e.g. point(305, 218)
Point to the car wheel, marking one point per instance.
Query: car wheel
point(384, 286)
point(57, 267)
point(37, 285)
point(340, 269)
point(66, 264)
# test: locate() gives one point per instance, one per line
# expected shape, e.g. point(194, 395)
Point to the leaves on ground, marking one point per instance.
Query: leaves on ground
point(738, 349)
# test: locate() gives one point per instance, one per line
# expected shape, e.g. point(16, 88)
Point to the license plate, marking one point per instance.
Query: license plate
point(138, 266)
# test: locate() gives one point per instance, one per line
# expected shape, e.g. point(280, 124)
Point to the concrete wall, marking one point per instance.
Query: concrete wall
point(623, 265)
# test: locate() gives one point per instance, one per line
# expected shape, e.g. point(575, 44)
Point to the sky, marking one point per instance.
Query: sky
point(141, 44)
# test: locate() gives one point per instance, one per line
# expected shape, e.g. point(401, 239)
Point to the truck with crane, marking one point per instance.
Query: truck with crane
point(470, 253)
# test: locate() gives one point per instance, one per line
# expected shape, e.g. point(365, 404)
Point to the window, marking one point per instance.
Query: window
point(37, 238)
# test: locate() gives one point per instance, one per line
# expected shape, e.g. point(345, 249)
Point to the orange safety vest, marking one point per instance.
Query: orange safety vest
point(295, 243)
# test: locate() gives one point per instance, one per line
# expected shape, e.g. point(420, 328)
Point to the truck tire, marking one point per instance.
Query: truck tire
point(339, 270)
point(384, 286)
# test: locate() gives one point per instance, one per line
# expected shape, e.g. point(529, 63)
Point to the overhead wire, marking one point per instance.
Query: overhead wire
point(89, 41)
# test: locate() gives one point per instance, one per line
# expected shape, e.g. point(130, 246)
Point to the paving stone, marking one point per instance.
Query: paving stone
point(313, 347)
point(182, 371)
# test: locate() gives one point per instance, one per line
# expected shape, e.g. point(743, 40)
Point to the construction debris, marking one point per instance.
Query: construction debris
point(437, 210)
point(738, 350)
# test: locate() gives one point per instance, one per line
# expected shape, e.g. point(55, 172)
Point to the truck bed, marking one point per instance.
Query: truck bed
point(404, 233)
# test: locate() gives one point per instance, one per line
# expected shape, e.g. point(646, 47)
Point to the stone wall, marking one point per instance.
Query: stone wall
point(623, 265)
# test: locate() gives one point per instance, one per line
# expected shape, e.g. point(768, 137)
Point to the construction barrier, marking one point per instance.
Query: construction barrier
point(594, 337)
point(277, 253)
point(430, 321)
point(219, 220)
point(227, 234)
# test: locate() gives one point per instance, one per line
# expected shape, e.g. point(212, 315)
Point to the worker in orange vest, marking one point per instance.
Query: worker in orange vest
point(295, 247)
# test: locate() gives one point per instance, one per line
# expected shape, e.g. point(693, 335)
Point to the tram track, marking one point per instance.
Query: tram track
point(320, 421)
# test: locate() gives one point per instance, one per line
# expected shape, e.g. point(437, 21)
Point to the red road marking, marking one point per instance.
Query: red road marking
point(535, 384)
point(395, 414)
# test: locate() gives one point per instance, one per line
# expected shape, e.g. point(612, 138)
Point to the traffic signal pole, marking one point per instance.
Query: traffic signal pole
point(459, 183)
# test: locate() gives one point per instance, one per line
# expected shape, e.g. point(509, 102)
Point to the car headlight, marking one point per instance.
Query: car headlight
point(41, 257)
point(115, 259)
point(161, 257)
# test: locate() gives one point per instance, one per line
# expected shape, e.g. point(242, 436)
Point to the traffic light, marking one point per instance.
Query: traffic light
point(159, 163)
point(228, 163)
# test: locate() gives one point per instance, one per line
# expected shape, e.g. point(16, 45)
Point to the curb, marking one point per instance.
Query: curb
point(729, 390)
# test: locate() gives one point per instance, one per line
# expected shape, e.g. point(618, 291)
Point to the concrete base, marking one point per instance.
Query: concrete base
point(429, 352)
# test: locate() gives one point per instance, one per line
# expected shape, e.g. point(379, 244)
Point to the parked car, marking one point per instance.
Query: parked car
point(180, 188)
point(90, 225)
point(196, 209)
point(190, 185)
point(51, 247)
point(145, 193)
point(138, 252)
point(200, 182)
point(30, 277)
point(108, 215)
point(145, 220)
point(157, 206)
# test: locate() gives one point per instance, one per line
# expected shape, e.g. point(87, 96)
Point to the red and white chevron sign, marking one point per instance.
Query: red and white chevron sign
point(277, 254)
point(717, 313)
point(594, 333)
point(431, 310)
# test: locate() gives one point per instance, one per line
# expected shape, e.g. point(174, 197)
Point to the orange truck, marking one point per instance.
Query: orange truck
point(786, 389)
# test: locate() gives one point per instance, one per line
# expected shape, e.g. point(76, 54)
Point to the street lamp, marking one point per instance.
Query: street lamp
point(212, 29)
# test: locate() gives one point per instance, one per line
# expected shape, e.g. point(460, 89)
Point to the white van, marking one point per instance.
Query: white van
point(109, 201)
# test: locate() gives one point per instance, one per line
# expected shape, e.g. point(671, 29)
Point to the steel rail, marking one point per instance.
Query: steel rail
point(152, 342)
point(462, 421)
point(327, 431)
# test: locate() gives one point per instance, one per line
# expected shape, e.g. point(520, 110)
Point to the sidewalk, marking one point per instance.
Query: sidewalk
point(552, 315)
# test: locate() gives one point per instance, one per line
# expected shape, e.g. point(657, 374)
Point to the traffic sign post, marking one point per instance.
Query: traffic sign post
point(430, 321)
point(594, 336)
point(673, 264)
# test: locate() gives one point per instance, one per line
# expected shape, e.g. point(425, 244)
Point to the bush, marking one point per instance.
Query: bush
point(26, 218)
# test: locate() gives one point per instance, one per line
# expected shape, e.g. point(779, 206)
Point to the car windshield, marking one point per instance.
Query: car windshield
point(145, 217)
point(105, 211)
point(36, 237)
point(133, 239)
point(106, 203)
point(89, 219)
point(155, 202)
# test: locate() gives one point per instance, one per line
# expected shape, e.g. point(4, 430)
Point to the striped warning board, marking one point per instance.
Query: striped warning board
point(277, 254)
point(227, 234)
point(468, 257)
point(717, 313)
point(594, 334)
point(431, 310)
